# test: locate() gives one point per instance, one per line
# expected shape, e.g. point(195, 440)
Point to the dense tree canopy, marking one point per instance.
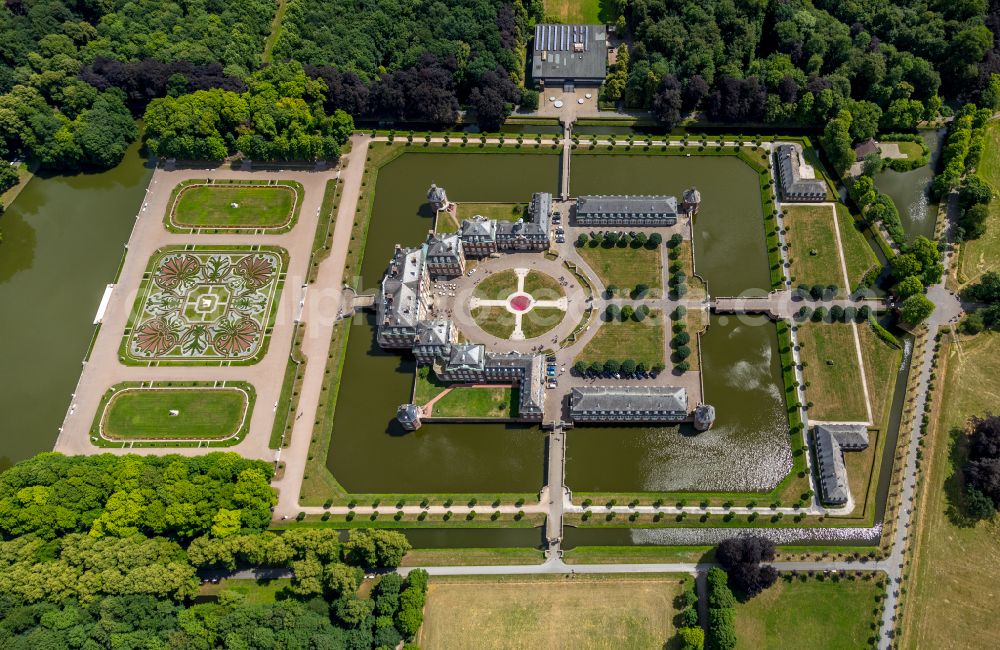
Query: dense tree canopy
point(280, 117)
point(175, 496)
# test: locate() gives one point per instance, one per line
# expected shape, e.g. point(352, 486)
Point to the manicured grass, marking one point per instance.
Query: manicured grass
point(202, 413)
point(540, 320)
point(508, 211)
point(542, 286)
point(911, 149)
point(494, 320)
point(982, 255)
point(426, 385)
point(497, 286)
point(638, 554)
point(622, 612)
point(814, 614)
point(255, 592)
point(813, 240)
point(858, 255)
point(834, 389)
point(472, 556)
point(575, 11)
point(957, 565)
point(625, 267)
point(492, 402)
point(208, 206)
point(641, 341)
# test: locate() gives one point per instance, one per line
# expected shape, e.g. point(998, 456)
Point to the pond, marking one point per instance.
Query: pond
point(729, 239)
point(747, 450)
point(63, 241)
point(910, 191)
point(369, 452)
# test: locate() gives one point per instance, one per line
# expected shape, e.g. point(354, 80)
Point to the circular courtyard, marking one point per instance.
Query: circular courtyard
point(514, 299)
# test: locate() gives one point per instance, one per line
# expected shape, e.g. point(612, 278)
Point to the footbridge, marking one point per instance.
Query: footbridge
point(782, 305)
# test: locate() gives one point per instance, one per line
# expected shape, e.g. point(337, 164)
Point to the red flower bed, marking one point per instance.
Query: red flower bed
point(520, 303)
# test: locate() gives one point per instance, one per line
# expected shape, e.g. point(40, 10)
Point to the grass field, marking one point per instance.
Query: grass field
point(201, 413)
point(641, 341)
point(811, 230)
point(494, 320)
point(540, 320)
point(493, 402)
point(981, 255)
point(508, 211)
point(542, 286)
point(497, 286)
point(208, 206)
point(911, 149)
point(957, 566)
point(819, 615)
point(576, 11)
point(625, 267)
point(858, 255)
point(621, 612)
point(254, 592)
point(834, 389)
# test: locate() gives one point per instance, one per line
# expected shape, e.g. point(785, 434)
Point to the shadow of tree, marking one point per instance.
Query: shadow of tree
point(954, 483)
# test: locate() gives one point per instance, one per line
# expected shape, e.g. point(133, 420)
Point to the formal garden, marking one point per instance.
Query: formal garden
point(518, 304)
point(234, 206)
point(205, 305)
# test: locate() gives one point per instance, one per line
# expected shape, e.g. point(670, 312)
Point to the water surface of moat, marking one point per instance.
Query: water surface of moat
point(910, 191)
point(729, 241)
point(747, 449)
point(63, 240)
point(369, 452)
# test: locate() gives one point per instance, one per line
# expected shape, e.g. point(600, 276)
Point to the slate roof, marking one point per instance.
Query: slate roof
point(436, 194)
point(540, 210)
point(469, 356)
point(408, 413)
point(632, 399)
point(401, 288)
point(625, 204)
point(570, 52)
point(478, 226)
point(831, 440)
point(797, 178)
point(433, 332)
point(865, 148)
point(443, 245)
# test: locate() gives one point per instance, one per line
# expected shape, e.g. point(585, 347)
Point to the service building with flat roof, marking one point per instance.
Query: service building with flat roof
point(569, 54)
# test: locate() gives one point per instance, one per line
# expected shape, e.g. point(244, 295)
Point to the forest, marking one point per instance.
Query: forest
point(110, 552)
point(888, 65)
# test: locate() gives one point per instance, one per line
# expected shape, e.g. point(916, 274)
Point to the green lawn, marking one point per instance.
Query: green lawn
point(494, 320)
point(493, 402)
point(641, 341)
point(508, 211)
point(426, 385)
point(858, 255)
point(912, 150)
point(497, 286)
point(202, 413)
point(814, 614)
point(210, 206)
point(542, 286)
point(576, 11)
point(982, 255)
point(834, 388)
point(813, 245)
point(253, 591)
point(625, 267)
point(953, 586)
point(624, 612)
point(540, 320)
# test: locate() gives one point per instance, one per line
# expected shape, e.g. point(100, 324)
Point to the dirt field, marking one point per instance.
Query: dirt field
point(620, 612)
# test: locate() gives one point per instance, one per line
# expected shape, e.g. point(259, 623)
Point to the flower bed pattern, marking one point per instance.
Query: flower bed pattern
point(205, 305)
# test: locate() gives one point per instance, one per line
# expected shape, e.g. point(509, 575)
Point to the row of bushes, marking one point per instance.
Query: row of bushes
point(628, 366)
point(678, 278)
point(962, 150)
point(613, 239)
point(689, 632)
point(680, 339)
point(876, 206)
point(628, 312)
point(721, 611)
point(836, 314)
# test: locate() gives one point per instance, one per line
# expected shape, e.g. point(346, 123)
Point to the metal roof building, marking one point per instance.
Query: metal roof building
point(568, 54)
point(798, 180)
point(626, 210)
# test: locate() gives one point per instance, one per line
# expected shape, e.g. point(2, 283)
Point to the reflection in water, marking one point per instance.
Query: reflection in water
point(910, 191)
point(63, 240)
point(17, 250)
point(746, 450)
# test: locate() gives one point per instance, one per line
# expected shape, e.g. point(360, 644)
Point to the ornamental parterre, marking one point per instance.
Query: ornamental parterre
point(205, 305)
